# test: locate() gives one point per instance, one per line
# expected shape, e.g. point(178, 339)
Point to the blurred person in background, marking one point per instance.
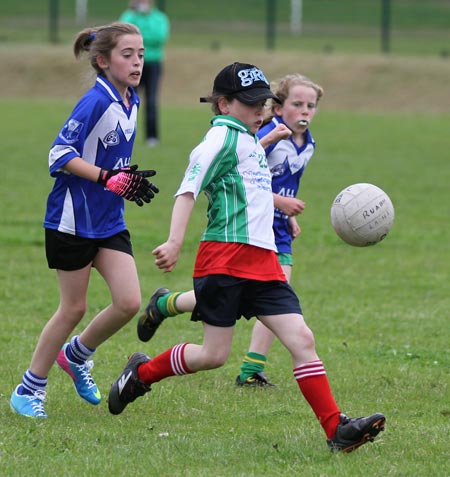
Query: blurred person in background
point(155, 27)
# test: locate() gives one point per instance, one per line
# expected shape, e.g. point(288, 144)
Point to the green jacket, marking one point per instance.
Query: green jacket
point(154, 27)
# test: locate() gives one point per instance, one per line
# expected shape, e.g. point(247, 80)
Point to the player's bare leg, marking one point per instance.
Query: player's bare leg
point(141, 371)
point(72, 307)
point(125, 296)
point(343, 433)
point(252, 367)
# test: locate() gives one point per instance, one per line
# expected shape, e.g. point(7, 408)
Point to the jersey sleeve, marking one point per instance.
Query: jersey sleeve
point(71, 138)
point(207, 161)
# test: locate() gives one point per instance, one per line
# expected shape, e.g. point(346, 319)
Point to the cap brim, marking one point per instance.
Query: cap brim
point(253, 96)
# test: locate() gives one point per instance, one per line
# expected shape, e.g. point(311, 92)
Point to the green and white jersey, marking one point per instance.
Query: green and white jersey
point(230, 167)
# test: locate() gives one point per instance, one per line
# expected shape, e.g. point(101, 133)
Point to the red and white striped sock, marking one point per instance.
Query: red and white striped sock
point(169, 363)
point(313, 383)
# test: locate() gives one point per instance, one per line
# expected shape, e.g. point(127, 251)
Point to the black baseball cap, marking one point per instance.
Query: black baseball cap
point(244, 82)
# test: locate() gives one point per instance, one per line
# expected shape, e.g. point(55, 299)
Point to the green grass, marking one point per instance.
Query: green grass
point(380, 316)
point(417, 27)
point(405, 13)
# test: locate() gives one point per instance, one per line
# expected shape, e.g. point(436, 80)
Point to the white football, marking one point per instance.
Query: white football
point(362, 214)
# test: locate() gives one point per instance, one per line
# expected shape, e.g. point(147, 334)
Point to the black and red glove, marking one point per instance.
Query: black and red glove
point(129, 183)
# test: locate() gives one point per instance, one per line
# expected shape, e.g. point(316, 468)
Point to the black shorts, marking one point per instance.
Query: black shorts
point(70, 252)
point(223, 299)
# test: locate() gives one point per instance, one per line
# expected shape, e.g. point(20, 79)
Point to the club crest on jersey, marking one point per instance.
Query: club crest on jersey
point(277, 170)
point(249, 76)
point(111, 139)
point(71, 131)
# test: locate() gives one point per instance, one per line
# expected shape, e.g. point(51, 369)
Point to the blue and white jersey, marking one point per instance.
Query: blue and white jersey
point(287, 162)
point(101, 130)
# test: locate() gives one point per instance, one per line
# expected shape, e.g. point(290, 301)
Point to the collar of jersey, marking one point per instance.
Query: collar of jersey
point(111, 90)
point(230, 122)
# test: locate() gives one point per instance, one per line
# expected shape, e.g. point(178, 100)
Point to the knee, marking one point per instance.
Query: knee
point(302, 346)
point(307, 338)
point(129, 306)
point(216, 360)
point(302, 338)
point(74, 313)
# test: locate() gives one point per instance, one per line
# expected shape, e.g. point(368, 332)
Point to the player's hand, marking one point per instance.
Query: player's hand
point(294, 228)
point(166, 256)
point(129, 183)
point(289, 205)
point(281, 131)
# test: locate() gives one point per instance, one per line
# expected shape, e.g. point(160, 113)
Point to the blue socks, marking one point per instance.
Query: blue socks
point(76, 352)
point(31, 383)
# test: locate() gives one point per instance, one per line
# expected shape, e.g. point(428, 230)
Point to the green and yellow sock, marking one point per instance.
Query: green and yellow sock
point(166, 304)
point(252, 363)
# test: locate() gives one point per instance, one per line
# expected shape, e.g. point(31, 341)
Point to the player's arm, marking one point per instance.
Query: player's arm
point(81, 168)
point(129, 183)
point(289, 205)
point(281, 131)
point(294, 228)
point(166, 255)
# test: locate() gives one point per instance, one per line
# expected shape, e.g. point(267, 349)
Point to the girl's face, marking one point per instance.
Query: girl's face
point(251, 115)
point(124, 66)
point(299, 108)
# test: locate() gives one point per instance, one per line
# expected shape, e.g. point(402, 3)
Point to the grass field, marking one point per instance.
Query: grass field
point(380, 314)
point(416, 27)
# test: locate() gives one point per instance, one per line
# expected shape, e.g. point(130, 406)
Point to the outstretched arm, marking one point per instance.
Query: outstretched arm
point(166, 254)
point(129, 182)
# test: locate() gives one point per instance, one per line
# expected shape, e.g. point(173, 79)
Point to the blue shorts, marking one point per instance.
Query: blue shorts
point(223, 299)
